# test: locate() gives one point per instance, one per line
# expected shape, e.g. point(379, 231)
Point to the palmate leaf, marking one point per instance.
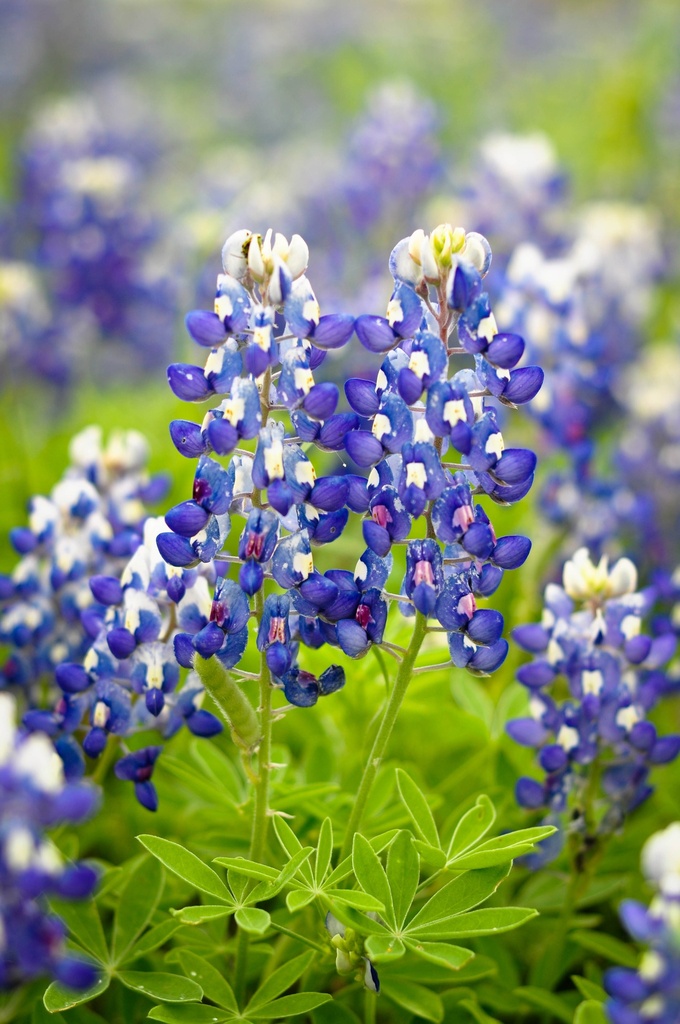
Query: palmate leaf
point(354, 898)
point(489, 921)
point(502, 849)
point(344, 868)
point(83, 922)
point(292, 845)
point(152, 939)
point(137, 902)
point(280, 980)
point(418, 809)
point(472, 827)
point(187, 866)
point(383, 948)
point(460, 894)
point(442, 953)
point(59, 998)
point(252, 920)
point(403, 875)
point(215, 986)
point(371, 876)
point(324, 851)
point(289, 1006)
point(171, 988)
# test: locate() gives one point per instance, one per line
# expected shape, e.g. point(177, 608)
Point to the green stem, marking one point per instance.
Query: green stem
point(369, 1007)
point(384, 732)
point(258, 837)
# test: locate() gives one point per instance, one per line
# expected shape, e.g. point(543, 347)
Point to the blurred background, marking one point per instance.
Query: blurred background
point(135, 136)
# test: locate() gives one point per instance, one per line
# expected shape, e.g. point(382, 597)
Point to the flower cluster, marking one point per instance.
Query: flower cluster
point(583, 308)
point(266, 338)
point(590, 636)
point(34, 796)
point(88, 612)
point(82, 219)
point(652, 993)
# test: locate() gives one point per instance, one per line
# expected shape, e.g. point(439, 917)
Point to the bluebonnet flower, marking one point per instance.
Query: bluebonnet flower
point(652, 992)
point(97, 621)
point(34, 796)
point(88, 526)
point(590, 635)
point(268, 327)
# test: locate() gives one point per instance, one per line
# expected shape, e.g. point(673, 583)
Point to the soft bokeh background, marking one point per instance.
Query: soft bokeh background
point(220, 114)
point(240, 104)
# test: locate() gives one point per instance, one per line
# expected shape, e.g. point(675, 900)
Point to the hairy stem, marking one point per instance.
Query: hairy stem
point(384, 732)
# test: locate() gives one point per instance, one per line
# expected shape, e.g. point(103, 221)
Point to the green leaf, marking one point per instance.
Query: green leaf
point(502, 849)
point(198, 783)
point(290, 1006)
point(266, 890)
point(547, 1002)
point(253, 920)
point(324, 851)
point(137, 902)
point(453, 957)
point(296, 899)
point(415, 998)
point(292, 845)
point(190, 1013)
point(344, 868)
point(362, 924)
point(418, 808)
point(214, 763)
point(371, 875)
point(57, 997)
point(471, 696)
point(478, 922)
point(214, 985)
point(249, 868)
point(472, 827)
point(198, 915)
point(335, 1013)
point(588, 989)
point(477, 1013)
point(355, 898)
point(188, 866)
point(383, 948)
point(430, 855)
point(171, 988)
point(152, 939)
point(83, 922)
point(590, 1012)
point(403, 874)
point(280, 980)
point(460, 894)
point(606, 946)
